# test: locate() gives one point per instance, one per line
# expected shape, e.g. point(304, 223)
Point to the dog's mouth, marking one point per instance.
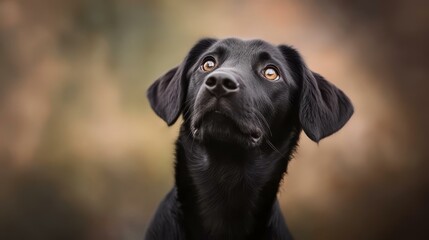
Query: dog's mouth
point(216, 125)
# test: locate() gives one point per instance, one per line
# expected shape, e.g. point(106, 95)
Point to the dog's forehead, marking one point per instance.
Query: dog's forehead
point(246, 48)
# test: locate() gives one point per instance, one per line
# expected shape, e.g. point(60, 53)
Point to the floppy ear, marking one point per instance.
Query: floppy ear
point(323, 108)
point(167, 94)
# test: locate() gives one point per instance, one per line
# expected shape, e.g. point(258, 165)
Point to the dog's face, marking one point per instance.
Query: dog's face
point(235, 91)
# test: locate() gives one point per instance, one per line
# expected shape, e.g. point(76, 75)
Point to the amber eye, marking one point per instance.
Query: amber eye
point(271, 73)
point(208, 65)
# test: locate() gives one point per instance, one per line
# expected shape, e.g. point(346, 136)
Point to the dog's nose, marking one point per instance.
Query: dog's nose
point(220, 84)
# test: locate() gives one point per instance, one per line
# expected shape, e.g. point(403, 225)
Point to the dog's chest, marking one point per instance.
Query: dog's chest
point(227, 199)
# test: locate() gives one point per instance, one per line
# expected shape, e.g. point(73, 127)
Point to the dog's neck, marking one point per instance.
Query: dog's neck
point(225, 189)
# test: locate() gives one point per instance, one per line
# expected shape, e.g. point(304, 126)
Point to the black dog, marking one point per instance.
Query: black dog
point(244, 104)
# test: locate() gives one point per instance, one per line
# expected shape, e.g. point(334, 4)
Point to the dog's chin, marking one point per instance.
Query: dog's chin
point(215, 127)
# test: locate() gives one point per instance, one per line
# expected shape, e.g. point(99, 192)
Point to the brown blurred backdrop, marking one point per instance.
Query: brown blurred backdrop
point(82, 156)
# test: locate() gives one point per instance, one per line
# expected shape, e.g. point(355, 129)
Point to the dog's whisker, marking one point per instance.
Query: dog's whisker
point(274, 148)
point(260, 117)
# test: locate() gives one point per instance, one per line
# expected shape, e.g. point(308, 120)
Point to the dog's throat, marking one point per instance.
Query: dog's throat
point(226, 190)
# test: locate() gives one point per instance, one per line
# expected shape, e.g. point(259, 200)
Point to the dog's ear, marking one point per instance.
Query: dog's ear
point(323, 108)
point(167, 94)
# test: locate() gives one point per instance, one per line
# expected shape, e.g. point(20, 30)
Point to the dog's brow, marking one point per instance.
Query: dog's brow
point(220, 51)
point(264, 56)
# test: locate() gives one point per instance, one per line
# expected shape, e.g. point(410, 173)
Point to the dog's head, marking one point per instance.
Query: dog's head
point(237, 91)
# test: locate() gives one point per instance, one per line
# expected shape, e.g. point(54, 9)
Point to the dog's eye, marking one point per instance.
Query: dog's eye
point(271, 73)
point(208, 65)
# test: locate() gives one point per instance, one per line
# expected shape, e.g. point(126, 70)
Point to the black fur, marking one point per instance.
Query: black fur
point(235, 144)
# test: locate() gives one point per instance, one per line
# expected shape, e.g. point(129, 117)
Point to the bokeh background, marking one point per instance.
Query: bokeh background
point(82, 155)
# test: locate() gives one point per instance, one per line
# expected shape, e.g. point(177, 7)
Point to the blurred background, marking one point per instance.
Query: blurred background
point(82, 155)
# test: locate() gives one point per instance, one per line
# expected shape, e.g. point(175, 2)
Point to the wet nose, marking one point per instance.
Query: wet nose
point(220, 84)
